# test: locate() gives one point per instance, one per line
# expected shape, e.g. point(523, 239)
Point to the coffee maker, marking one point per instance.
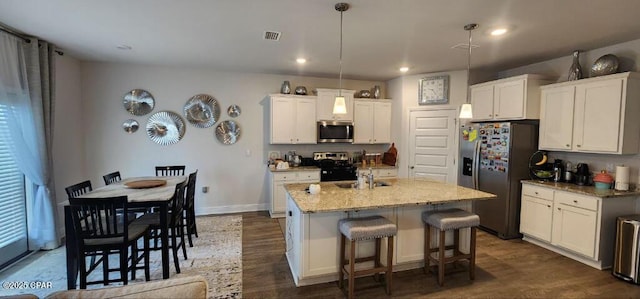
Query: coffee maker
point(582, 174)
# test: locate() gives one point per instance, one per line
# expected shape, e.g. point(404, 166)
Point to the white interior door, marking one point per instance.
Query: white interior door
point(433, 144)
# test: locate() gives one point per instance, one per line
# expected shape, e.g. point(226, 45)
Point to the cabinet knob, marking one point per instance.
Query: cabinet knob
point(548, 206)
point(412, 167)
point(297, 139)
point(496, 115)
point(375, 140)
point(578, 145)
point(536, 192)
point(575, 201)
point(567, 145)
point(490, 115)
point(559, 209)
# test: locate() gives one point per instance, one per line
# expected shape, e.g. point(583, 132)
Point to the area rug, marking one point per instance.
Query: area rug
point(216, 255)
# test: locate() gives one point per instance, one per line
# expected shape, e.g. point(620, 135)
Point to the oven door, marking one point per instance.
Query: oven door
point(335, 132)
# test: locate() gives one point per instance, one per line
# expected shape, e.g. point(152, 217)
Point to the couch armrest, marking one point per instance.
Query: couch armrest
point(178, 287)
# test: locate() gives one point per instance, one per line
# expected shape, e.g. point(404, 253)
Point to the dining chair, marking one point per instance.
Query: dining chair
point(78, 189)
point(106, 232)
point(111, 178)
point(189, 208)
point(175, 223)
point(170, 170)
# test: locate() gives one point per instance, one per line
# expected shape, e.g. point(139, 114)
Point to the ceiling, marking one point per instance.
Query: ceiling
point(379, 35)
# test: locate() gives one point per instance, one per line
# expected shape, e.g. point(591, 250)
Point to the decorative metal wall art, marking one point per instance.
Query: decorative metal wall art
point(165, 127)
point(130, 126)
point(202, 111)
point(138, 102)
point(234, 110)
point(228, 132)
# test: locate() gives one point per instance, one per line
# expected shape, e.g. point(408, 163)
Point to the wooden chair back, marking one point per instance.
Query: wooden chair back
point(111, 178)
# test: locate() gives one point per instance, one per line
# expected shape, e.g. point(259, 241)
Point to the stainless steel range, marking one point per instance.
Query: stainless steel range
point(335, 166)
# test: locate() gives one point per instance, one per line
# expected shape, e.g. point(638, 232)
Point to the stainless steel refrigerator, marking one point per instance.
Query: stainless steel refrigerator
point(494, 157)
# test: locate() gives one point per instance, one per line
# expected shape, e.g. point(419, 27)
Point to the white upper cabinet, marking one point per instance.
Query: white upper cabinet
point(507, 99)
point(595, 115)
point(372, 121)
point(326, 99)
point(293, 119)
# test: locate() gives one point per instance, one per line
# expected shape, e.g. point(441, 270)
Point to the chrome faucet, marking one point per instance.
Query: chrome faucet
point(371, 178)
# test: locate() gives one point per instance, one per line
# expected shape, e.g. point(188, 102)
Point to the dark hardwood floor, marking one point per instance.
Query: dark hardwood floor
point(504, 269)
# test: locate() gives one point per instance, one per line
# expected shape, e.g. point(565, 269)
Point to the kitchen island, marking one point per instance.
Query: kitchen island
point(312, 237)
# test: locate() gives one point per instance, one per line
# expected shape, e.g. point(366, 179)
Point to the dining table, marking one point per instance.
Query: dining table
point(139, 194)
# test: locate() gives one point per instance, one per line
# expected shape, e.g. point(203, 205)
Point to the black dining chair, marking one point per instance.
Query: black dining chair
point(105, 232)
point(174, 170)
point(78, 189)
point(189, 208)
point(111, 178)
point(175, 223)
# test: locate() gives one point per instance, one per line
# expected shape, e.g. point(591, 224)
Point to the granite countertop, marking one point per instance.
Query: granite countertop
point(402, 192)
point(585, 190)
point(378, 166)
point(298, 168)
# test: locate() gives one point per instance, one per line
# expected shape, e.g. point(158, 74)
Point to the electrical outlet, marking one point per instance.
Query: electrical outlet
point(609, 167)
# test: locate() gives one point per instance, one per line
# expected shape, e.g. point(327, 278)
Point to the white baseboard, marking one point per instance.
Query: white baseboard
point(231, 209)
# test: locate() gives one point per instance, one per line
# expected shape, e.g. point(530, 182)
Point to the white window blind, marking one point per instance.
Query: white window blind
point(12, 192)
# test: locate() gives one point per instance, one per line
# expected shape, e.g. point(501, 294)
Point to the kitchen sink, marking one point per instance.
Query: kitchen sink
point(350, 185)
point(345, 185)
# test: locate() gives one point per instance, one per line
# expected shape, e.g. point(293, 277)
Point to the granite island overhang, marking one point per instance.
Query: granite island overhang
point(312, 237)
point(397, 193)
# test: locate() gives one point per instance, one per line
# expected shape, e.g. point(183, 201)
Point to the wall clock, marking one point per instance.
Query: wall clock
point(434, 90)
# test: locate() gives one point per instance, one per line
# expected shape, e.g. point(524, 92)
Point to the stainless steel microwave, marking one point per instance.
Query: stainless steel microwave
point(335, 132)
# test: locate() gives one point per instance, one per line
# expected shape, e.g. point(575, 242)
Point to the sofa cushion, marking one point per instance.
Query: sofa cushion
point(177, 287)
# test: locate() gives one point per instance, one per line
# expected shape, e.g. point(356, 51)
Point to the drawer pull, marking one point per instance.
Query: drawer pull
point(575, 201)
point(559, 209)
point(548, 206)
point(536, 192)
point(578, 145)
point(567, 145)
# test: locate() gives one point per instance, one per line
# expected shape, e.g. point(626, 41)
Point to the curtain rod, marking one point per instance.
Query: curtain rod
point(25, 38)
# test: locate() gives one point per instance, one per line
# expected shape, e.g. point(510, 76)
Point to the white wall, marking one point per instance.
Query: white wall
point(236, 174)
point(406, 90)
point(557, 69)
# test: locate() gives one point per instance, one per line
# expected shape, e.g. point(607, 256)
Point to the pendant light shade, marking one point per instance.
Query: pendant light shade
point(466, 111)
point(339, 105)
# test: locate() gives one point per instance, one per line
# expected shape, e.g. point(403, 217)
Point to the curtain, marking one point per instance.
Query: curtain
point(27, 86)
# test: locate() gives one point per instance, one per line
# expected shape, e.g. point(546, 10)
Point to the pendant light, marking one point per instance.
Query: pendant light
point(339, 105)
point(465, 110)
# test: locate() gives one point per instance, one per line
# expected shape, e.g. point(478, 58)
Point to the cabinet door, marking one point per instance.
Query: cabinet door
point(382, 122)
point(326, 99)
point(278, 198)
point(305, 127)
point(574, 229)
point(556, 118)
point(508, 100)
point(282, 120)
point(597, 116)
point(363, 122)
point(482, 102)
point(535, 217)
point(294, 239)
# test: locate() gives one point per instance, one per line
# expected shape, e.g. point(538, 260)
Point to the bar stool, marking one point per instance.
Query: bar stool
point(366, 228)
point(444, 220)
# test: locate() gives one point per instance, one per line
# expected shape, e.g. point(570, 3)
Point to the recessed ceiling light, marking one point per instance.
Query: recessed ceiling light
point(124, 47)
point(301, 61)
point(499, 31)
point(404, 69)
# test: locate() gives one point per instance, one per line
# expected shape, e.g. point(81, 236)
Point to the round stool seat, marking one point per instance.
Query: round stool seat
point(450, 219)
point(366, 228)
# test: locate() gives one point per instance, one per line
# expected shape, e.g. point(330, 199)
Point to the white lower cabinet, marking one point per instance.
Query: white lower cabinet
point(578, 226)
point(278, 192)
point(381, 173)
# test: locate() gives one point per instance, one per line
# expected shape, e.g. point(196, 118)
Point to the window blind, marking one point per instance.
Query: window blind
point(12, 192)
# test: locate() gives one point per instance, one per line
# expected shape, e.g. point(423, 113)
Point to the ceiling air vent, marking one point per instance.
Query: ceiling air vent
point(464, 46)
point(272, 35)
